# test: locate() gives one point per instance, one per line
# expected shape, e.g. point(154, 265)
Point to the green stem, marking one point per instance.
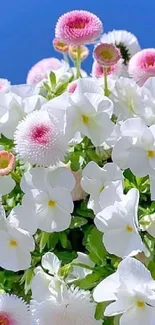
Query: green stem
point(15, 177)
point(78, 62)
point(106, 90)
point(65, 56)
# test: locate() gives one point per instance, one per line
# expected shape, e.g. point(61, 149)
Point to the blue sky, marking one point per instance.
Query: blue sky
point(27, 28)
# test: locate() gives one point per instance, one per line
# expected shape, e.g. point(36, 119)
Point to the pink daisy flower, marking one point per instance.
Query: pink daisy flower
point(106, 54)
point(60, 46)
point(142, 66)
point(7, 162)
point(72, 86)
point(13, 311)
point(41, 69)
point(98, 69)
point(39, 139)
point(78, 27)
point(73, 52)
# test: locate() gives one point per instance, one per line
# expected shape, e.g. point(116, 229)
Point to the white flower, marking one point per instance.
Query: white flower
point(72, 306)
point(4, 85)
point(79, 271)
point(89, 112)
point(48, 198)
point(147, 111)
point(14, 310)
point(15, 245)
point(125, 41)
point(128, 99)
point(119, 223)
point(131, 289)
point(15, 105)
point(39, 139)
point(103, 184)
point(135, 149)
point(40, 285)
point(7, 184)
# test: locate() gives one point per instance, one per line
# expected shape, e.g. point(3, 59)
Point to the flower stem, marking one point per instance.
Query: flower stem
point(65, 56)
point(106, 90)
point(78, 62)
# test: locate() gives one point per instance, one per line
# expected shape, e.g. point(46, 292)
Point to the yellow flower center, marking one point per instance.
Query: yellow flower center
point(13, 243)
point(151, 154)
point(129, 228)
point(4, 162)
point(51, 204)
point(140, 304)
point(107, 54)
point(85, 119)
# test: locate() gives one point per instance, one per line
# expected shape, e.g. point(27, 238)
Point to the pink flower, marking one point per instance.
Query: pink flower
point(60, 46)
point(72, 86)
point(106, 54)
point(142, 66)
point(7, 162)
point(78, 27)
point(73, 53)
point(41, 69)
point(98, 70)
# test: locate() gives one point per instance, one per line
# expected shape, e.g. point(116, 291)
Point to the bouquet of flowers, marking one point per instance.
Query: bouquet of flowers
point(77, 183)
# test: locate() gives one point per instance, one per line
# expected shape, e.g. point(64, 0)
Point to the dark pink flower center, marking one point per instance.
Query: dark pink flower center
point(78, 22)
point(39, 134)
point(149, 62)
point(5, 319)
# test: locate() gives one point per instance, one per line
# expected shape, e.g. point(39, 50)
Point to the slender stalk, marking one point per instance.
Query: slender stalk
point(78, 62)
point(65, 56)
point(106, 90)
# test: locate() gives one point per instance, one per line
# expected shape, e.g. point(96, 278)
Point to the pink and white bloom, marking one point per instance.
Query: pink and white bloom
point(119, 223)
point(131, 288)
point(59, 46)
point(142, 66)
point(73, 52)
point(40, 139)
point(71, 87)
point(114, 70)
point(7, 162)
point(14, 310)
point(4, 85)
point(78, 27)
point(106, 54)
point(103, 184)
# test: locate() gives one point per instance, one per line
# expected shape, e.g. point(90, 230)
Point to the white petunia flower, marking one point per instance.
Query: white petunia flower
point(135, 149)
point(40, 139)
point(14, 310)
point(131, 288)
point(48, 198)
point(125, 41)
point(7, 184)
point(14, 105)
point(89, 112)
point(72, 306)
point(103, 184)
point(15, 245)
point(4, 85)
point(119, 224)
point(79, 271)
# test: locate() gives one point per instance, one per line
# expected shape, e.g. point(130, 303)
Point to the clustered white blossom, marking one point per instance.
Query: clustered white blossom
point(47, 127)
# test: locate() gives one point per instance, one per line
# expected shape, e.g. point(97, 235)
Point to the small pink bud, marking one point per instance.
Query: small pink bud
point(7, 162)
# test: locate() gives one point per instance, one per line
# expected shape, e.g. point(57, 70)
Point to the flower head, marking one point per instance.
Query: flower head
point(13, 310)
point(142, 66)
point(40, 140)
point(98, 69)
point(60, 46)
point(41, 70)
point(73, 52)
point(4, 85)
point(106, 54)
point(7, 162)
point(71, 87)
point(78, 27)
point(125, 41)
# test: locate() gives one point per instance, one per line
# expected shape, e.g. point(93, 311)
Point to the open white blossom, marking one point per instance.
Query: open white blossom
point(131, 288)
point(103, 184)
point(72, 306)
point(80, 271)
point(89, 112)
point(119, 223)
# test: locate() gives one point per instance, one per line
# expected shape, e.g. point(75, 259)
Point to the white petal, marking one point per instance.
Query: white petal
point(7, 184)
point(133, 127)
point(34, 178)
point(51, 263)
point(106, 289)
point(138, 316)
point(61, 177)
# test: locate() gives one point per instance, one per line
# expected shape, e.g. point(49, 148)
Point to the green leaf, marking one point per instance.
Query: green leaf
point(100, 310)
point(47, 87)
point(43, 240)
point(89, 282)
point(75, 161)
point(53, 240)
point(78, 222)
point(52, 79)
point(65, 256)
point(65, 270)
point(61, 88)
point(95, 247)
point(63, 239)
